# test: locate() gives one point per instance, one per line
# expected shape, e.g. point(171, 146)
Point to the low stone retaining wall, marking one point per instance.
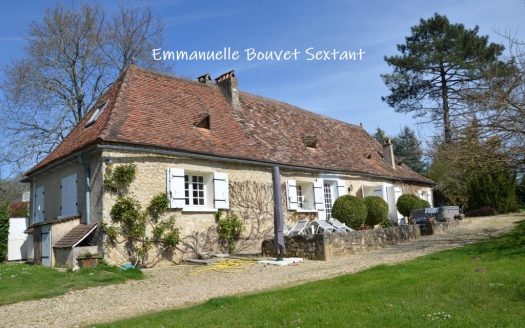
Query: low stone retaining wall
point(330, 245)
point(443, 227)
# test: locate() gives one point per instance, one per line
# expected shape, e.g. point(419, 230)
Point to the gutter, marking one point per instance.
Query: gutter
point(181, 153)
point(59, 162)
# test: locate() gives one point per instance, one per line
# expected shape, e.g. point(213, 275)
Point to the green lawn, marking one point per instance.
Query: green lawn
point(21, 282)
point(480, 285)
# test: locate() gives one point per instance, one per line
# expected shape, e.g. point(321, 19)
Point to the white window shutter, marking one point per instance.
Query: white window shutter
point(319, 197)
point(175, 185)
point(69, 201)
point(220, 190)
point(292, 194)
point(39, 205)
point(398, 192)
point(341, 189)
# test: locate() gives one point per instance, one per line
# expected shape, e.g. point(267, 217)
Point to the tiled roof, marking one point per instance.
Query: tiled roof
point(75, 235)
point(150, 109)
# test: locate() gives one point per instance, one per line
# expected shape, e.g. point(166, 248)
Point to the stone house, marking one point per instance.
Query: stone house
point(210, 147)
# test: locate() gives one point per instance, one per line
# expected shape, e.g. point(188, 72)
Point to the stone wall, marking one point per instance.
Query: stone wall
point(67, 257)
point(331, 245)
point(443, 227)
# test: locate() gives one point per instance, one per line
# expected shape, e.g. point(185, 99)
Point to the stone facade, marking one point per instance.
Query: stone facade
point(250, 190)
point(328, 246)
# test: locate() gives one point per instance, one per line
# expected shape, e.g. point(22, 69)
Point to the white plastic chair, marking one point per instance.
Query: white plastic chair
point(339, 226)
point(322, 226)
point(298, 229)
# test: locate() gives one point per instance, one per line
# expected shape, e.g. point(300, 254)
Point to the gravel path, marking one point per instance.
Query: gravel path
point(174, 287)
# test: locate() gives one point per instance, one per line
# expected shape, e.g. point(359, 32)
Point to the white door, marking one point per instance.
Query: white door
point(46, 245)
point(393, 194)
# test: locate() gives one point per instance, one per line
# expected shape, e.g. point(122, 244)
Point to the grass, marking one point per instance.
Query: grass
point(479, 285)
point(22, 282)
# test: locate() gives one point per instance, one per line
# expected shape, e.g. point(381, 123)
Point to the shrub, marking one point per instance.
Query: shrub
point(495, 189)
point(482, 211)
point(230, 229)
point(377, 210)
point(350, 210)
point(407, 203)
point(4, 231)
point(424, 204)
point(19, 210)
point(386, 223)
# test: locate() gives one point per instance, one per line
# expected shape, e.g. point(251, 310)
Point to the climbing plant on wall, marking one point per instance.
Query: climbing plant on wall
point(140, 234)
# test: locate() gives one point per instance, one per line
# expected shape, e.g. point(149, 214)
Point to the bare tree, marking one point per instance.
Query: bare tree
point(498, 103)
point(71, 57)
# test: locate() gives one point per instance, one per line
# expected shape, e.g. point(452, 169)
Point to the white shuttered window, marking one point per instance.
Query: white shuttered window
point(197, 190)
point(69, 200)
point(38, 210)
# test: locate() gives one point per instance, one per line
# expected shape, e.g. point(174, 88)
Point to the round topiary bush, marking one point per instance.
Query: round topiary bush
point(377, 210)
point(424, 204)
point(350, 210)
point(406, 203)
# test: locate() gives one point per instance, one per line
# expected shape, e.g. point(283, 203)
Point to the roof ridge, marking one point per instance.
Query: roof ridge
point(298, 108)
point(173, 77)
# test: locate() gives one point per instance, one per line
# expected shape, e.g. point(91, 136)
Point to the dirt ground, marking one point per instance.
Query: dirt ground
point(175, 286)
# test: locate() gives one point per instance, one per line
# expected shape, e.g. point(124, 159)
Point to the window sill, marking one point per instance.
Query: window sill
point(198, 210)
point(306, 211)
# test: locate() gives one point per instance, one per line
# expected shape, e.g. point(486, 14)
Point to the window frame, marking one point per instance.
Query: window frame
point(189, 191)
point(328, 199)
point(96, 114)
point(305, 196)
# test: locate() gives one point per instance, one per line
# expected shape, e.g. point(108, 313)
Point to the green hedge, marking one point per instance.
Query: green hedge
point(350, 210)
point(377, 210)
point(492, 189)
point(4, 231)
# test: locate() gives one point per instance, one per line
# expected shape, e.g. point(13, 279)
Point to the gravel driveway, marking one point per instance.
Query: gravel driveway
point(174, 287)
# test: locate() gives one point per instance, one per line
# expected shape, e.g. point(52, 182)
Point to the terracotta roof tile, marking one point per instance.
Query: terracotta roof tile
point(151, 109)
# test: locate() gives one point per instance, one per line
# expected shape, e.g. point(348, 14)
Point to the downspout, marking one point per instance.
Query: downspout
point(278, 222)
point(87, 188)
point(32, 202)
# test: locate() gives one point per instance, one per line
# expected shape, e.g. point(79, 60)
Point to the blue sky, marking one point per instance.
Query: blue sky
point(349, 91)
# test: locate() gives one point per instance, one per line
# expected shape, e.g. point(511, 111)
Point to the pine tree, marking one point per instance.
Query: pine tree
point(437, 63)
point(380, 135)
point(407, 149)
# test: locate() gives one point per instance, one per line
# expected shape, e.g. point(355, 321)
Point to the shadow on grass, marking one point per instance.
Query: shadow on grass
point(510, 244)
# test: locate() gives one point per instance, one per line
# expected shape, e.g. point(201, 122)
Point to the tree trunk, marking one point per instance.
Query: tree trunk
point(446, 114)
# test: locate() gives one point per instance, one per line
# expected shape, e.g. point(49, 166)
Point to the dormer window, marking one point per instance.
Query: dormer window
point(204, 122)
point(96, 114)
point(310, 141)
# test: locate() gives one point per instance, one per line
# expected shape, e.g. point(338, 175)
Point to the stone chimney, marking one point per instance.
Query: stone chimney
point(205, 79)
point(388, 153)
point(229, 87)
